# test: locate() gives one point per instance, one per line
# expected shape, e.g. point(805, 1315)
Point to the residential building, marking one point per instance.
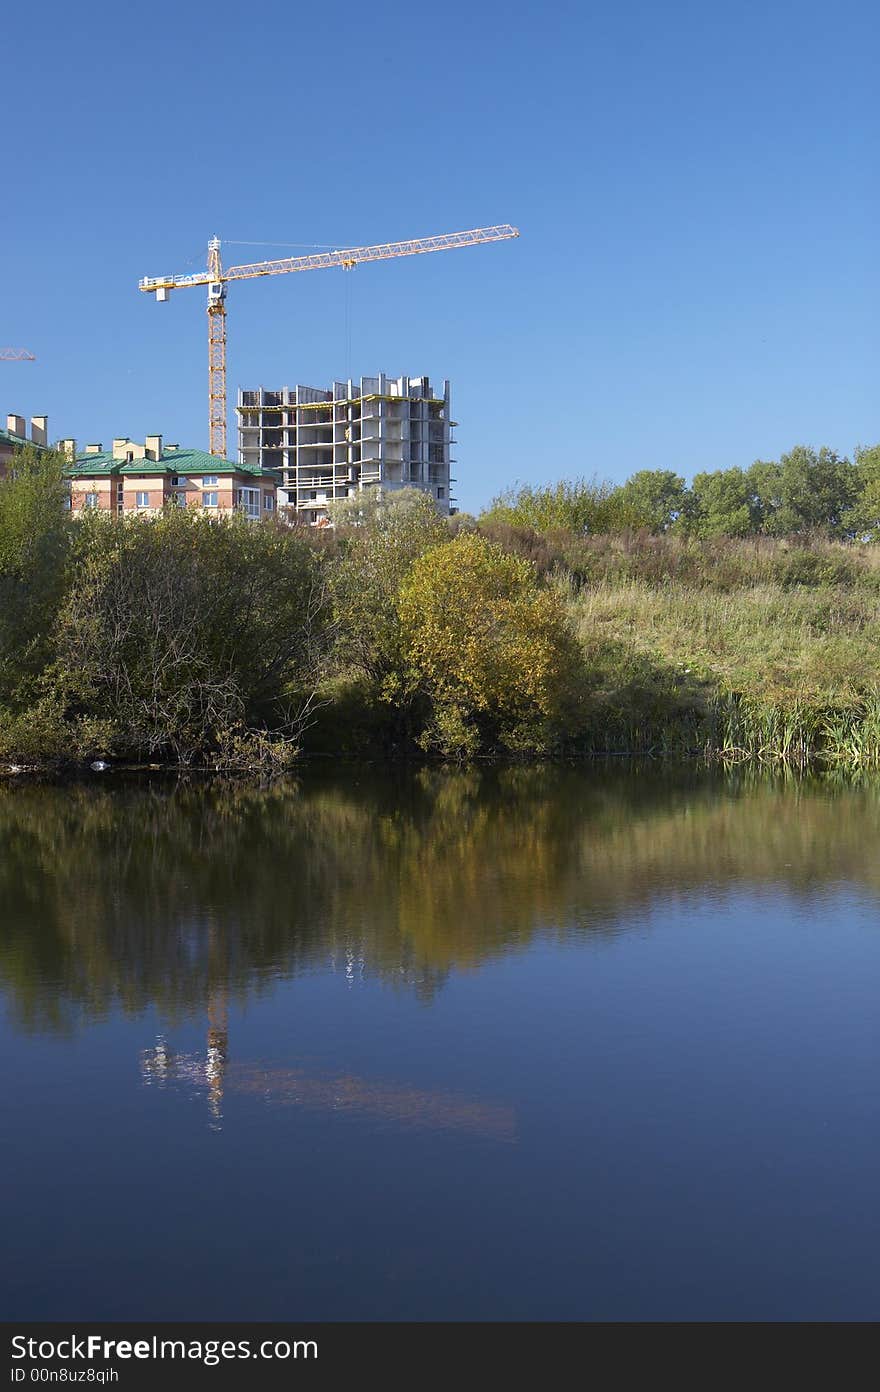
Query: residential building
point(333, 443)
point(135, 478)
point(14, 437)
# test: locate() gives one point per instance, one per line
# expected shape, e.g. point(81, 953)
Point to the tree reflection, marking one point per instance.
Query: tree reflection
point(177, 895)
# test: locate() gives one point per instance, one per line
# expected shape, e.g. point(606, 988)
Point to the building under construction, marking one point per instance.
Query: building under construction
point(330, 444)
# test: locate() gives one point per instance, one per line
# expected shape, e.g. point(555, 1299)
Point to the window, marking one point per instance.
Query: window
point(209, 499)
point(268, 502)
point(180, 499)
point(440, 492)
point(67, 502)
point(249, 500)
point(209, 481)
point(178, 481)
point(90, 500)
point(142, 499)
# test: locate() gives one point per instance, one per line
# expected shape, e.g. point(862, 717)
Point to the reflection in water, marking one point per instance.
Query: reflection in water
point(453, 1082)
point(186, 897)
point(403, 1106)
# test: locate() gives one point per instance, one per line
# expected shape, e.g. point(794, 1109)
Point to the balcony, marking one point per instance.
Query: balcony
point(321, 481)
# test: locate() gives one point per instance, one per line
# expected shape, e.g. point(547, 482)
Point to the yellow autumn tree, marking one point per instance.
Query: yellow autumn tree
point(488, 649)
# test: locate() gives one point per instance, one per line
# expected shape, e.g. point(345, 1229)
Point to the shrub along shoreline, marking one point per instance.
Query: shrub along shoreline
point(231, 646)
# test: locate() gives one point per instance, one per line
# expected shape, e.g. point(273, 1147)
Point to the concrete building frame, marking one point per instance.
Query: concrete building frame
point(327, 444)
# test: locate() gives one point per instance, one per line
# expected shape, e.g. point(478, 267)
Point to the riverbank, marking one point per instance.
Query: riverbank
point(184, 641)
point(765, 651)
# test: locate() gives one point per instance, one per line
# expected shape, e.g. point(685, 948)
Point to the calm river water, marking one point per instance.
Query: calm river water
point(555, 1044)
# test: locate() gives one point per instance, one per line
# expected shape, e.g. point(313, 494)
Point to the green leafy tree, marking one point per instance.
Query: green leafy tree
point(188, 633)
point(34, 545)
point(808, 490)
point(862, 520)
point(764, 486)
point(655, 498)
point(384, 536)
point(488, 650)
point(722, 504)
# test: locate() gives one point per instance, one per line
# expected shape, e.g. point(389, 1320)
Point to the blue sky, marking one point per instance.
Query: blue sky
point(696, 186)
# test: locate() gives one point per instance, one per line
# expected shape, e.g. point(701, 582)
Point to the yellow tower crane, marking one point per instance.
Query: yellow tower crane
point(216, 279)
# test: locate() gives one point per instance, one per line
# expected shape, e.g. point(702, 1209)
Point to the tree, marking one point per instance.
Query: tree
point(385, 536)
point(722, 505)
point(34, 544)
point(863, 518)
point(187, 632)
point(655, 498)
point(487, 649)
point(807, 490)
point(764, 487)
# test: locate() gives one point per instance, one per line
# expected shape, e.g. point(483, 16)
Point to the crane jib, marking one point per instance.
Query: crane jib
point(215, 277)
point(353, 256)
point(348, 256)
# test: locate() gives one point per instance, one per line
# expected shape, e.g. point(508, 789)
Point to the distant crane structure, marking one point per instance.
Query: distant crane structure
point(16, 355)
point(216, 278)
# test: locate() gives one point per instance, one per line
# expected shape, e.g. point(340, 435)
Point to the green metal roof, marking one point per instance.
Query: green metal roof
point(179, 461)
point(18, 441)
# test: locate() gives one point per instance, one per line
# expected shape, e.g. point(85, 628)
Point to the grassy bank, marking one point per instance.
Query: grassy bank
point(756, 670)
point(727, 650)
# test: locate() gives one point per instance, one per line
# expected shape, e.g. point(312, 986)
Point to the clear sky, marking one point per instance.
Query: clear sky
point(696, 185)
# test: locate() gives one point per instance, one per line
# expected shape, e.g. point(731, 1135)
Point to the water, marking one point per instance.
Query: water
point(531, 1044)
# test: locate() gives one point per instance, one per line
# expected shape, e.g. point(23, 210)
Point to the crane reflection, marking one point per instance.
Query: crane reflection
point(212, 1074)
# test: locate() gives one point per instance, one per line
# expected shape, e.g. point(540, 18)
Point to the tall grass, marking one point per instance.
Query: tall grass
point(763, 672)
point(721, 563)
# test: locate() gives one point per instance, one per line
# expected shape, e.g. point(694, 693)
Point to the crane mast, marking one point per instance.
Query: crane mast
point(216, 352)
point(215, 278)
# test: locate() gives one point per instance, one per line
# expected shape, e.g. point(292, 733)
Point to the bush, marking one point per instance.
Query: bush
point(487, 649)
point(376, 556)
point(185, 631)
